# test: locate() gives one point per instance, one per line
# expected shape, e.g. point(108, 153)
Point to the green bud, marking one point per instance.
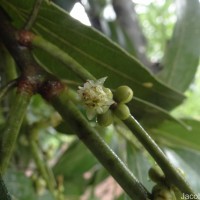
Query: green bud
point(123, 94)
point(40, 185)
point(122, 111)
point(162, 192)
point(105, 119)
point(156, 174)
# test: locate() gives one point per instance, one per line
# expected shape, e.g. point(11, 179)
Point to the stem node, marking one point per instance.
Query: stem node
point(51, 88)
point(25, 37)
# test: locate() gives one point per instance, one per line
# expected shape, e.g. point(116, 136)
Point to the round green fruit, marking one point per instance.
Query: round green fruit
point(122, 111)
point(105, 119)
point(123, 94)
point(156, 174)
point(162, 192)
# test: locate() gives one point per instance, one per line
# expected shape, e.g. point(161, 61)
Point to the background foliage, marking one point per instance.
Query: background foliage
point(159, 62)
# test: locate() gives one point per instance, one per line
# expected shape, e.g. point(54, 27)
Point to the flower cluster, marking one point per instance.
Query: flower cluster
point(96, 97)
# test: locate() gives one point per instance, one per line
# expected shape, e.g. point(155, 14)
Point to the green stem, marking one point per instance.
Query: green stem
point(10, 67)
point(59, 54)
point(98, 147)
point(33, 15)
point(170, 171)
point(12, 127)
point(42, 166)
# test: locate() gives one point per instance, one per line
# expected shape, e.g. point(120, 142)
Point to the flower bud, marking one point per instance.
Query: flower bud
point(105, 119)
point(162, 192)
point(96, 98)
point(156, 174)
point(123, 94)
point(122, 111)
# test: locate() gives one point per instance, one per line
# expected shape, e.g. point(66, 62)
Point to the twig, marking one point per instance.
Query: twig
point(86, 133)
point(27, 84)
point(42, 166)
point(33, 15)
point(98, 147)
point(143, 138)
point(69, 111)
point(170, 171)
point(22, 56)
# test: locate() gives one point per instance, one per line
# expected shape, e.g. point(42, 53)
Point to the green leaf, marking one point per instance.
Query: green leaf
point(75, 161)
point(46, 196)
point(189, 161)
point(149, 114)
point(67, 5)
point(93, 51)
point(72, 165)
point(63, 127)
point(183, 51)
point(172, 134)
point(19, 186)
point(139, 165)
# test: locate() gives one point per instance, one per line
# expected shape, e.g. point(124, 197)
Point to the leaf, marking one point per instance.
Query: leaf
point(189, 161)
point(65, 128)
point(151, 115)
point(72, 165)
point(172, 134)
point(46, 196)
point(67, 5)
point(93, 51)
point(19, 185)
point(139, 165)
point(75, 161)
point(183, 51)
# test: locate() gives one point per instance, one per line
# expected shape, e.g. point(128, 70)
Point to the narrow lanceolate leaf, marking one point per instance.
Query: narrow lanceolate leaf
point(150, 114)
point(183, 51)
point(93, 51)
point(187, 160)
point(171, 134)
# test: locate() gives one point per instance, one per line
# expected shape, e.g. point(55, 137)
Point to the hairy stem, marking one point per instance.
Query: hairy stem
point(172, 174)
point(98, 147)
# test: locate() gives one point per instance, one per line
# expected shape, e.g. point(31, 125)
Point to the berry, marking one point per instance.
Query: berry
point(163, 192)
point(122, 111)
point(105, 119)
point(123, 94)
point(156, 174)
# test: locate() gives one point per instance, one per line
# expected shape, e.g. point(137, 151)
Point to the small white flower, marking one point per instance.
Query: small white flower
point(96, 97)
